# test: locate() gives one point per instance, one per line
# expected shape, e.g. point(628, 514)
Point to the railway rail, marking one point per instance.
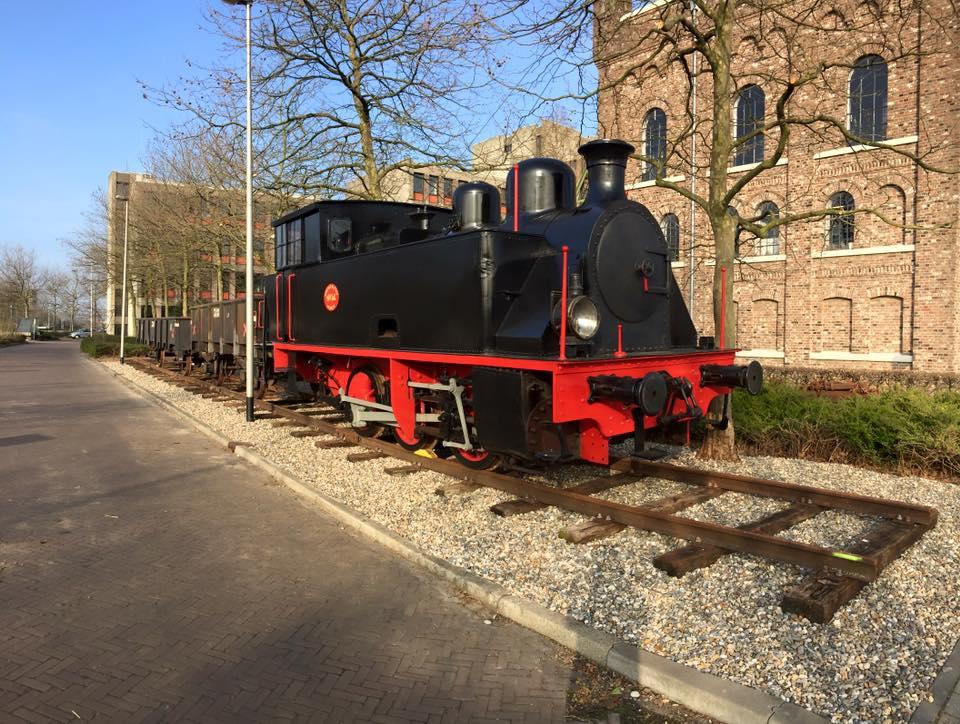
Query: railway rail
point(835, 576)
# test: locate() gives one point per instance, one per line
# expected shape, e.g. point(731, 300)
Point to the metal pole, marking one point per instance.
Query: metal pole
point(693, 179)
point(91, 300)
point(123, 309)
point(249, 254)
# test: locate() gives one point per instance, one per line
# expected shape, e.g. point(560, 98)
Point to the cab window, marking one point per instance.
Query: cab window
point(339, 235)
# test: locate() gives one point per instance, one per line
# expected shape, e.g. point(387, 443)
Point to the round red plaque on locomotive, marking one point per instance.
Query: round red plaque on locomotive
point(331, 297)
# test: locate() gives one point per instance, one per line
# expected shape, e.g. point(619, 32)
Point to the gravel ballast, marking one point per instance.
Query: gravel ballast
point(874, 662)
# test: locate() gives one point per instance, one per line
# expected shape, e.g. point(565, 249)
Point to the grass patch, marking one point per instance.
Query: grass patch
point(904, 429)
point(108, 345)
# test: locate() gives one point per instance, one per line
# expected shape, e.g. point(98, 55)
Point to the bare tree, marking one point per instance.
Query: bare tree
point(798, 51)
point(20, 277)
point(347, 90)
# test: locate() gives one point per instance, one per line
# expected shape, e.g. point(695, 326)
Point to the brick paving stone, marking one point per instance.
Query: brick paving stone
point(148, 575)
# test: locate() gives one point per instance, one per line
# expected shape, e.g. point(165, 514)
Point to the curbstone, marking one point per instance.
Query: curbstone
point(705, 693)
point(946, 684)
point(593, 644)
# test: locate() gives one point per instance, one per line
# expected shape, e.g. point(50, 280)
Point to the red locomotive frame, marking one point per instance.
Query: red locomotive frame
point(598, 421)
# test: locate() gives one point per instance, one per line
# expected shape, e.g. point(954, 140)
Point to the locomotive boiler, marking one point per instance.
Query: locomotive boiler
point(544, 336)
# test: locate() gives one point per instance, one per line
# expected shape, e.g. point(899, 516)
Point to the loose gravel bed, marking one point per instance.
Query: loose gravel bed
point(874, 662)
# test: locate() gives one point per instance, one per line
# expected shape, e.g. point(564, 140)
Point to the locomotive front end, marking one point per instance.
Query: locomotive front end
point(626, 356)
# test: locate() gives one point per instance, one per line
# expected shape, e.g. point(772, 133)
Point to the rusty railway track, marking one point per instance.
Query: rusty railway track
point(836, 576)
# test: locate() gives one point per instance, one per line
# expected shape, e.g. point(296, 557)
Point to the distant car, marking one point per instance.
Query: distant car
point(80, 333)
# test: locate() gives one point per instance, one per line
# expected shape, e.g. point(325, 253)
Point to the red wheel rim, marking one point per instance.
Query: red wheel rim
point(361, 387)
point(474, 456)
point(413, 439)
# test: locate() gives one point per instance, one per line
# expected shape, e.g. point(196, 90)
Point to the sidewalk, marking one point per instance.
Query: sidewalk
point(147, 574)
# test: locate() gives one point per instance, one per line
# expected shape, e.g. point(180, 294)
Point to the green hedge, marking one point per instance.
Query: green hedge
point(903, 428)
point(108, 345)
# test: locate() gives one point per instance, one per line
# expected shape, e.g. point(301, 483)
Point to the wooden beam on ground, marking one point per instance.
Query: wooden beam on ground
point(820, 595)
point(590, 530)
point(403, 470)
point(327, 444)
point(691, 557)
point(459, 488)
point(596, 528)
point(360, 457)
point(307, 433)
point(590, 487)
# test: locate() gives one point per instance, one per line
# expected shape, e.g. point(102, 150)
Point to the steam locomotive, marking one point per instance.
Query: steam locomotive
point(544, 336)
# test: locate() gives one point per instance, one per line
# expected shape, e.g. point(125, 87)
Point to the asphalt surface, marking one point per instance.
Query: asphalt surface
point(148, 575)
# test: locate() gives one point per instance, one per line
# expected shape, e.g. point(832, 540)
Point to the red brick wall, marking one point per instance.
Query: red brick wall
point(898, 309)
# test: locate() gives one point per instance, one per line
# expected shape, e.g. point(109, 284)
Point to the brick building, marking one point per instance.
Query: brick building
point(851, 291)
point(186, 245)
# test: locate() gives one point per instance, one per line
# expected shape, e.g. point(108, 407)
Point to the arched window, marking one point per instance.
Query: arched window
point(751, 107)
point(868, 98)
point(840, 228)
point(770, 241)
point(670, 226)
point(654, 142)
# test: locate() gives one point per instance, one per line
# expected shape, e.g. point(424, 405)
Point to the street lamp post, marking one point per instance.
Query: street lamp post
point(123, 194)
point(90, 278)
point(248, 298)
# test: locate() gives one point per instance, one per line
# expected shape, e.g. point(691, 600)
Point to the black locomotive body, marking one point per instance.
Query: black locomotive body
point(541, 337)
point(474, 286)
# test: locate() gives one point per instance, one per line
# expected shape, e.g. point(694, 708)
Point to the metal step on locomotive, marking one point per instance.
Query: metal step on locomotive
point(541, 337)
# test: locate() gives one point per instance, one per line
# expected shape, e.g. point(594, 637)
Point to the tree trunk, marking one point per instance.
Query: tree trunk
point(184, 308)
point(721, 444)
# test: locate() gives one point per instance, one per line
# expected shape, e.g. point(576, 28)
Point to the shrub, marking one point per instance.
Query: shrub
point(907, 429)
point(12, 339)
point(108, 345)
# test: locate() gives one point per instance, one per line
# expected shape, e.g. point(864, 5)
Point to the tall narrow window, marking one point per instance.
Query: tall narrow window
point(770, 240)
point(751, 107)
point(654, 142)
point(294, 242)
point(447, 190)
point(433, 188)
point(840, 228)
point(670, 226)
point(419, 186)
point(868, 98)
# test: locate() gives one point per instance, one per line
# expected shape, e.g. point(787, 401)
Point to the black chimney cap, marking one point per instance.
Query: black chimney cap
point(603, 150)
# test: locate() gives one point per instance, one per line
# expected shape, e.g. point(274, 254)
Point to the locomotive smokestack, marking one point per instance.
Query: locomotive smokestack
point(421, 218)
point(606, 168)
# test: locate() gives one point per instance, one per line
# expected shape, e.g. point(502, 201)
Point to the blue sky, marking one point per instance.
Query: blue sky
point(71, 109)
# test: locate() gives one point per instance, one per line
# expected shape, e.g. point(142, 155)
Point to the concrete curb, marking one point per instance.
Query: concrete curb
point(943, 687)
point(718, 698)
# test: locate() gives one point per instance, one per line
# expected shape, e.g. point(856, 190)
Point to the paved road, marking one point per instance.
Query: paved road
point(148, 575)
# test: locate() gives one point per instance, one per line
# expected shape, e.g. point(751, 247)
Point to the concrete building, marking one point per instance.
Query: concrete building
point(491, 161)
point(185, 246)
point(837, 291)
point(428, 184)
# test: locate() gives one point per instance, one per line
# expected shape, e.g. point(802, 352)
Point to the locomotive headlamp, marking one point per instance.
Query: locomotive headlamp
point(583, 317)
